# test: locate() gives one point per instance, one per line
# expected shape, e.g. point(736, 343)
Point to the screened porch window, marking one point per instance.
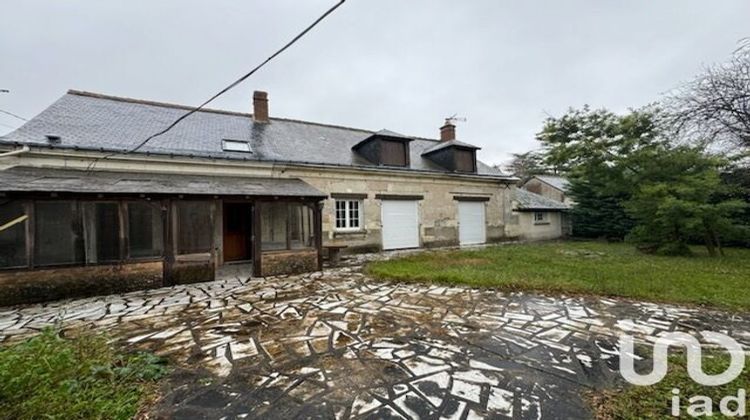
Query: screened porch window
point(145, 230)
point(13, 219)
point(57, 233)
point(101, 227)
point(194, 227)
point(286, 226)
point(301, 232)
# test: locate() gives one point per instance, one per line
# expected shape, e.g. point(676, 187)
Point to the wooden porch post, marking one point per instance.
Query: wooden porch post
point(318, 217)
point(256, 238)
point(168, 224)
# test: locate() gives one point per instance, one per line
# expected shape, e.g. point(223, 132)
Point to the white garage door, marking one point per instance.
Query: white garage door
point(400, 224)
point(471, 224)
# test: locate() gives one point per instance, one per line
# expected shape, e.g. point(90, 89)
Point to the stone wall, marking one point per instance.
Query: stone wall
point(44, 284)
point(192, 272)
point(289, 262)
point(438, 210)
point(528, 230)
point(542, 188)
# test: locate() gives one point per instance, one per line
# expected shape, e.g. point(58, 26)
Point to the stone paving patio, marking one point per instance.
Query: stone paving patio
point(339, 345)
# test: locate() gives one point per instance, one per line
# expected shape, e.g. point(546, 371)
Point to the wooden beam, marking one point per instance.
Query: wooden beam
point(169, 223)
point(398, 197)
point(318, 217)
point(288, 226)
point(13, 222)
point(470, 198)
point(256, 238)
point(29, 206)
point(352, 196)
point(124, 225)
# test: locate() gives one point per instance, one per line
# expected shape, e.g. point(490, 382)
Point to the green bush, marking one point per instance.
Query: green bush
point(83, 378)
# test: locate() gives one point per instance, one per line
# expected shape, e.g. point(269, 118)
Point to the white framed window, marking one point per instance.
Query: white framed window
point(540, 217)
point(236, 146)
point(348, 214)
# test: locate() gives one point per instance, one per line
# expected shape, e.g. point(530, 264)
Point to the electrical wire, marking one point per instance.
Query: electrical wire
point(232, 85)
point(13, 115)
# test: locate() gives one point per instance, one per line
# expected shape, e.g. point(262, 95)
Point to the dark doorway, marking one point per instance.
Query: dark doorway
point(237, 231)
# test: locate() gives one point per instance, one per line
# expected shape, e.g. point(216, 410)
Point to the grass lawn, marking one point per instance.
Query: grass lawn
point(655, 401)
point(84, 378)
point(594, 268)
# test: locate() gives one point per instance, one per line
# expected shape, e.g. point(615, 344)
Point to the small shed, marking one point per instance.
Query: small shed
point(540, 217)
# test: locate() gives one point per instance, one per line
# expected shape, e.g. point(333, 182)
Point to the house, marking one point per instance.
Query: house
point(84, 213)
point(550, 186)
point(539, 217)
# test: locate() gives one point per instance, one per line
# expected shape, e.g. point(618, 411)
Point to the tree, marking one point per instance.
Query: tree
point(736, 186)
point(677, 200)
point(526, 165)
point(595, 149)
point(715, 107)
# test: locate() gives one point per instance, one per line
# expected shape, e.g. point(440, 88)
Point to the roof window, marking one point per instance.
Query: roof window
point(236, 146)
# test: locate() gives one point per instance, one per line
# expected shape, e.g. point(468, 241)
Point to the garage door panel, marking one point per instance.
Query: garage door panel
point(400, 224)
point(471, 223)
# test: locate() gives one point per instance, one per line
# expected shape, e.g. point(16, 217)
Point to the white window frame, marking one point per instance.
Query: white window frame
point(348, 215)
point(542, 217)
point(225, 146)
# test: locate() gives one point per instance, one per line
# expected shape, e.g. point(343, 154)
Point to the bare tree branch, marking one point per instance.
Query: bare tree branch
point(715, 107)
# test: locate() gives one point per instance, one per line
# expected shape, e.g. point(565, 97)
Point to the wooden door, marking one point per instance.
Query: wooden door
point(237, 223)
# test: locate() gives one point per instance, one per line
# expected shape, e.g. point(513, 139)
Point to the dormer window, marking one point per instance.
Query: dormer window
point(236, 146)
point(394, 153)
point(385, 148)
point(454, 156)
point(465, 160)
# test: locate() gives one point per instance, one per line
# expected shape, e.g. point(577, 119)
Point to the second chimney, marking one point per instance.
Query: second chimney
point(260, 106)
point(448, 131)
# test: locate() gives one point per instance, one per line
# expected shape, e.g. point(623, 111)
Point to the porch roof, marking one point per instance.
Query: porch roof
point(40, 180)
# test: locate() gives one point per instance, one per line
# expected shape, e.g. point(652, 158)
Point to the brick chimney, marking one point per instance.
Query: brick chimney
point(260, 106)
point(448, 131)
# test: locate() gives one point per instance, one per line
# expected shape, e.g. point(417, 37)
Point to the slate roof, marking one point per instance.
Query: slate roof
point(529, 201)
point(91, 121)
point(443, 144)
point(388, 133)
point(29, 180)
point(558, 182)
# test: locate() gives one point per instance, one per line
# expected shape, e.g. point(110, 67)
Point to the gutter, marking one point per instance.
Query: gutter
point(229, 161)
point(532, 209)
point(24, 149)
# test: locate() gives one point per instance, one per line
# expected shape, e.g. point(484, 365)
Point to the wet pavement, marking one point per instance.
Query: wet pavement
point(338, 344)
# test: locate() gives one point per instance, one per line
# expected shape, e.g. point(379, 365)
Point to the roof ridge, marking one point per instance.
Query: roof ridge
point(152, 103)
point(218, 111)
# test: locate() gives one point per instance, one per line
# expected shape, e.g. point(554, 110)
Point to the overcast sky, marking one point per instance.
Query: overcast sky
point(395, 64)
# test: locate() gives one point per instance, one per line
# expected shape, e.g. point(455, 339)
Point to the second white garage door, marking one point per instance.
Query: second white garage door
point(400, 224)
point(471, 222)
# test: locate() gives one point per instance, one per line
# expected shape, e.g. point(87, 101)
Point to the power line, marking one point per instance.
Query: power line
point(226, 89)
point(13, 115)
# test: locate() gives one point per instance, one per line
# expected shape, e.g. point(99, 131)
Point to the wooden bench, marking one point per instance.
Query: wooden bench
point(334, 252)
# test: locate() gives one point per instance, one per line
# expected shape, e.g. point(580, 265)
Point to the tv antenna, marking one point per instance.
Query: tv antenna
point(454, 119)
